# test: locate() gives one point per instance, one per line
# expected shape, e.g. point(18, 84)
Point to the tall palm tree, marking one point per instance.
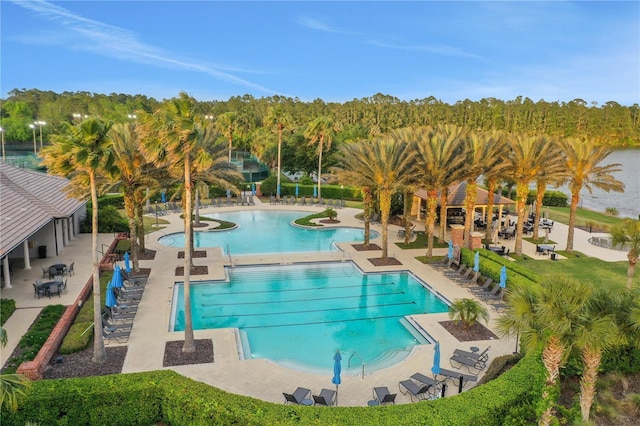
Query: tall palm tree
point(278, 119)
point(627, 235)
point(134, 174)
point(382, 164)
point(545, 317)
point(529, 157)
point(321, 131)
point(482, 152)
point(582, 169)
point(173, 138)
point(11, 385)
point(438, 162)
point(83, 153)
point(225, 124)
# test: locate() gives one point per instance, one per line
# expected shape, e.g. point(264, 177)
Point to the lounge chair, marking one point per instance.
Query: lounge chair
point(475, 356)
point(484, 288)
point(466, 278)
point(383, 396)
point(120, 336)
point(109, 327)
point(414, 390)
point(457, 376)
point(251, 202)
point(459, 271)
point(119, 316)
point(473, 366)
point(326, 398)
point(495, 295)
point(500, 307)
point(299, 396)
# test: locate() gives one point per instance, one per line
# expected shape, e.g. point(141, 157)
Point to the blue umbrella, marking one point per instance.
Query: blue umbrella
point(337, 368)
point(163, 196)
point(110, 299)
point(503, 277)
point(116, 279)
point(279, 190)
point(436, 359)
point(450, 253)
point(297, 190)
point(127, 266)
point(253, 189)
point(315, 191)
point(476, 262)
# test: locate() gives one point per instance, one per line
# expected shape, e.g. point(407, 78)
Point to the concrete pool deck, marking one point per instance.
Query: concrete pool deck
point(262, 378)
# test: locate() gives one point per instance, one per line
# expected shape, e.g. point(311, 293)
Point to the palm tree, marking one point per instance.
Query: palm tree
point(469, 311)
point(134, 175)
point(528, 157)
point(481, 154)
point(225, 124)
point(278, 119)
point(582, 169)
point(11, 385)
point(545, 317)
point(321, 131)
point(627, 235)
point(173, 138)
point(437, 164)
point(382, 164)
point(596, 331)
point(83, 153)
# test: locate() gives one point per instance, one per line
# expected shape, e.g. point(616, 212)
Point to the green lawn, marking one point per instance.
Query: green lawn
point(584, 217)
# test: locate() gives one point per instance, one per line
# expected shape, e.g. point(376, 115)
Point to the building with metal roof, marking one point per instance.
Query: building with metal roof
point(37, 217)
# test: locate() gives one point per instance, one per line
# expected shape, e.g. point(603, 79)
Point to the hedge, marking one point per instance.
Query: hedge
point(167, 397)
point(550, 198)
point(491, 264)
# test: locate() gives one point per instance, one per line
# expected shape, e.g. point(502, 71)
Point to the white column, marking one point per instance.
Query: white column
point(27, 261)
point(65, 240)
point(70, 228)
point(7, 275)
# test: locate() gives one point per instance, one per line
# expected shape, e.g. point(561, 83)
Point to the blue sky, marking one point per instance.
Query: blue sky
point(336, 51)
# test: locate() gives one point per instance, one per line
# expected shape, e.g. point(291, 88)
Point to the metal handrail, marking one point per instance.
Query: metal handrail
point(361, 362)
point(229, 254)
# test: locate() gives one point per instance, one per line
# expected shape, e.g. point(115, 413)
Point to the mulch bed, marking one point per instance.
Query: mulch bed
point(80, 364)
point(196, 270)
point(200, 225)
point(329, 221)
point(362, 247)
point(463, 334)
point(143, 272)
point(196, 254)
point(147, 255)
point(173, 354)
point(389, 261)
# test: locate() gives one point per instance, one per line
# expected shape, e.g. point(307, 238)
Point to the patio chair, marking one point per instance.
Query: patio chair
point(45, 271)
point(414, 390)
point(326, 398)
point(38, 290)
point(63, 286)
point(475, 356)
point(68, 270)
point(297, 397)
point(53, 289)
point(383, 396)
point(435, 386)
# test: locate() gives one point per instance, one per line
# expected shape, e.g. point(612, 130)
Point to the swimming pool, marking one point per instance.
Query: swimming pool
point(299, 315)
point(268, 231)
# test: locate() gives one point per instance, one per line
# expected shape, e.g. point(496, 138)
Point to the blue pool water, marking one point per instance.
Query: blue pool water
point(262, 231)
point(299, 315)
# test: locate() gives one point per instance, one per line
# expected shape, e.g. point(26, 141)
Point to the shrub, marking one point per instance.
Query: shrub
point(611, 211)
point(7, 307)
point(109, 220)
point(550, 198)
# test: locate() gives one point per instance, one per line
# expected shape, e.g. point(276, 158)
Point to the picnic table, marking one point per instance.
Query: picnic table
point(57, 269)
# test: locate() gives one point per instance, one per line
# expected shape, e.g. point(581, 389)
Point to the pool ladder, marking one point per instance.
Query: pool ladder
point(229, 254)
point(361, 362)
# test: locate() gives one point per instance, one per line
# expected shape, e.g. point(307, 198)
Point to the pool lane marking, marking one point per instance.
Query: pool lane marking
point(359, 296)
point(208, 294)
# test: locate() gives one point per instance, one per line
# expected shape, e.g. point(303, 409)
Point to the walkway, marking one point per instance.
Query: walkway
point(151, 326)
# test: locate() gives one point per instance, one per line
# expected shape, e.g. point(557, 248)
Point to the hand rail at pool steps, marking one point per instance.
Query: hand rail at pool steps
point(361, 362)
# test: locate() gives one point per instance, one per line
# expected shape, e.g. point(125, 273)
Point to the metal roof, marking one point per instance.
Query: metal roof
point(457, 194)
point(28, 201)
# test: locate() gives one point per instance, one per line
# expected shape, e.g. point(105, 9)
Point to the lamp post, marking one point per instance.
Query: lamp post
point(341, 191)
point(2, 132)
point(39, 124)
point(35, 148)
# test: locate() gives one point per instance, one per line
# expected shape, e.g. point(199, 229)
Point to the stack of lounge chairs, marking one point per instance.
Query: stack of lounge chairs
point(117, 321)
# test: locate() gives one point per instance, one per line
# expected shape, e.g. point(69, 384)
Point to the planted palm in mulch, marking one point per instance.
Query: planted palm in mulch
point(195, 254)
point(173, 354)
point(196, 270)
point(463, 334)
point(362, 247)
point(389, 261)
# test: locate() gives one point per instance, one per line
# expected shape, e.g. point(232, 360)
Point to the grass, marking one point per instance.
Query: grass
point(306, 221)
point(420, 242)
point(584, 217)
point(539, 241)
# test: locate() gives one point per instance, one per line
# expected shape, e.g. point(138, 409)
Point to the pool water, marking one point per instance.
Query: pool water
point(299, 315)
point(262, 231)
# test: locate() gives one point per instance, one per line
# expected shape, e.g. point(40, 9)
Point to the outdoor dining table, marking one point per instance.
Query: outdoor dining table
point(497, 250)
point(546, 248)
point(46, 286)
point(57, 269)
